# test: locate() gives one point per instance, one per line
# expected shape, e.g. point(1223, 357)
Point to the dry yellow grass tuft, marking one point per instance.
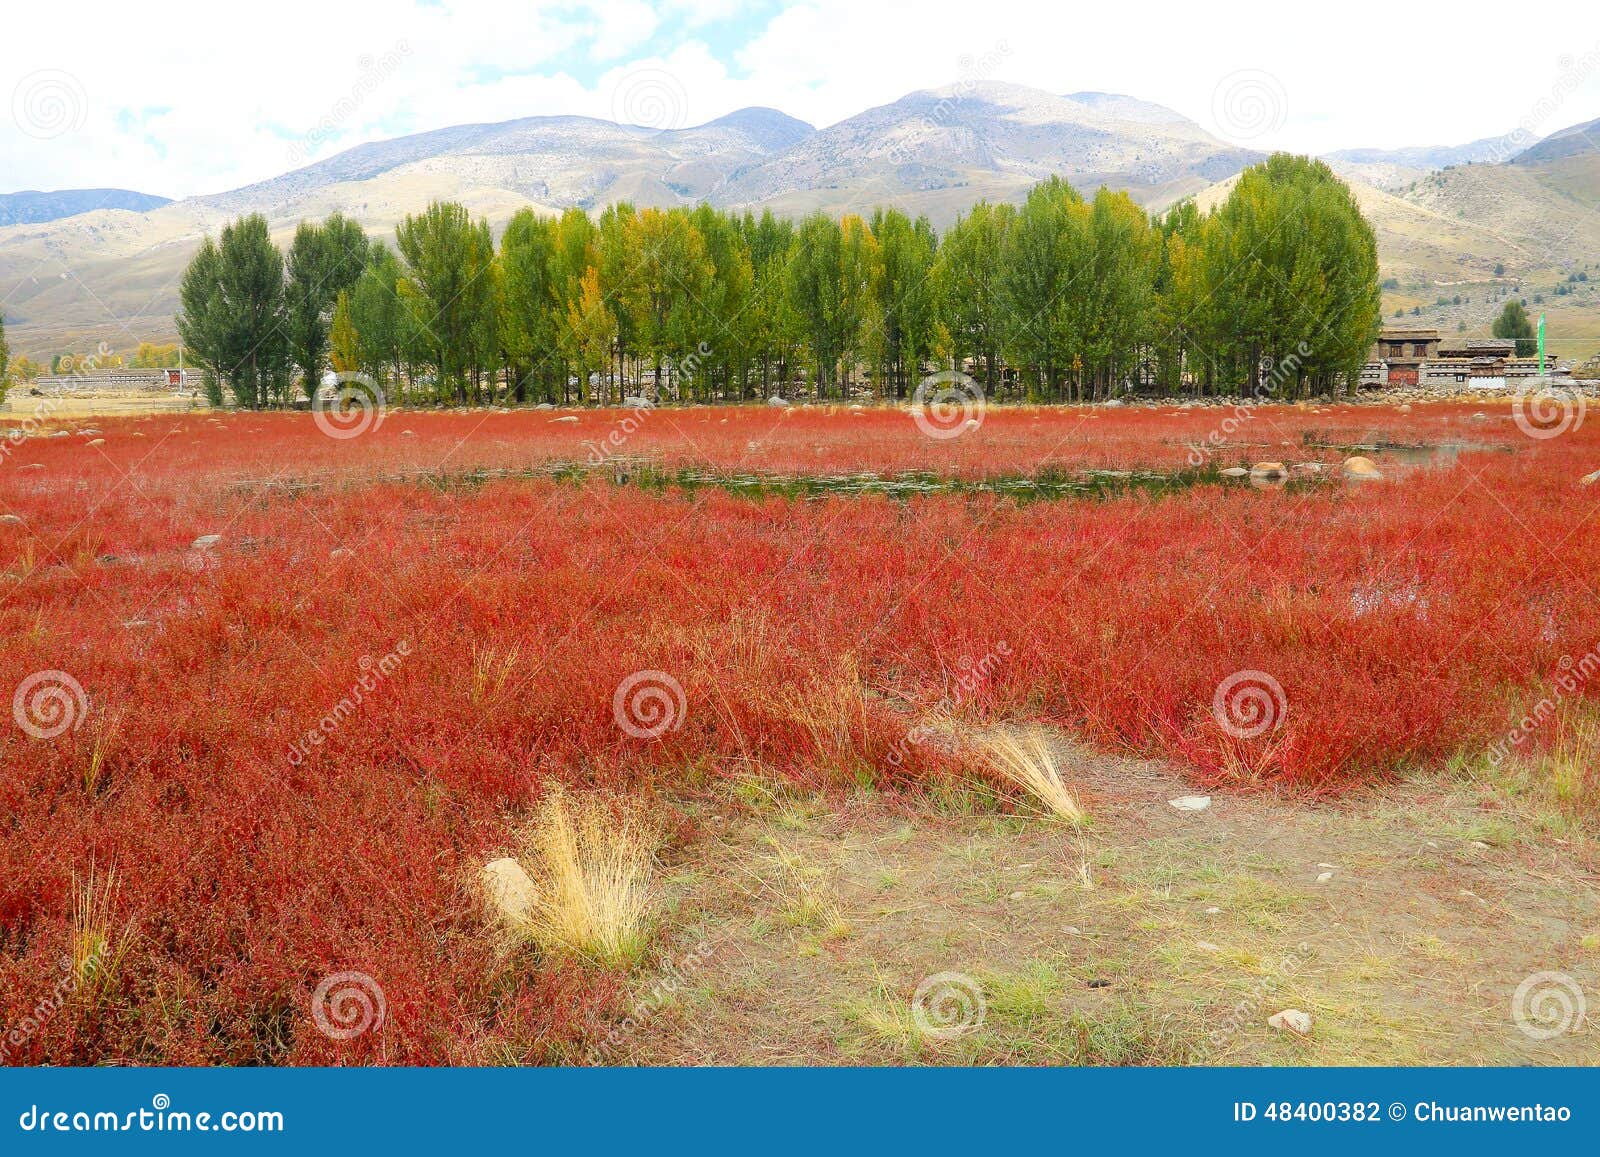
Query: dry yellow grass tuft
point(1026, 760)
point(95, 950)
point(591, 860)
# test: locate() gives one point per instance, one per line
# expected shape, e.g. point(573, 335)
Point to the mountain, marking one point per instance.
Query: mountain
point(30, 207)
point(549, 161)
point(939, 150)
point(1396, 168)
point(1453, 219)
point(1569, 142)
point(113, 276)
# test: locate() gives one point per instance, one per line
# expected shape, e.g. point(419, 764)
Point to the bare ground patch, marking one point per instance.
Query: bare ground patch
point(1403, 919)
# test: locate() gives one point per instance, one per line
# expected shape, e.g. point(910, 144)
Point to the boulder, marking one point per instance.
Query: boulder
point(1191, 803)
point(206, 541)
point(1269, 470)
point(510, 889)
point(1235, 472)
point(635, 402)
point(1589, 479)
point(564, 418)
point(1361, 469)
point(1291, 1020)
point(775, 400)
point(9, 519)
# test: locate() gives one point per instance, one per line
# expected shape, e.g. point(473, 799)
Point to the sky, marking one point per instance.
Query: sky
point(181, 97)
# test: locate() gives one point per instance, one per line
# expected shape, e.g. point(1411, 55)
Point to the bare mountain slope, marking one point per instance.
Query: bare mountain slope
point(941, 149)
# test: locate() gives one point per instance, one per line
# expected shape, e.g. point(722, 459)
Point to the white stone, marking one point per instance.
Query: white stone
point(564, 418)
point(1291, 1020)
point(1206, 946)
point(1324, 877)
point(1191, 803)
point(510, 888)
point(206, 541)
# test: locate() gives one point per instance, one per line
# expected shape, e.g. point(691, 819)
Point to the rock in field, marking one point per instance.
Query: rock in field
point(206, 541)
point(1191, 803)
point(510, 888)
point(1268, 470)
point(1361, 469)
point(1589, 479)
point(1234, 472)
point(1291, 1020)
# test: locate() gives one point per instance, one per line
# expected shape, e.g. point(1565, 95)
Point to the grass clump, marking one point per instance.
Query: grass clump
point(592, 862)
point(1026, 760)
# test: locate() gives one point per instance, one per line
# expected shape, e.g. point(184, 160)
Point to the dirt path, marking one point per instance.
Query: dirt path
point(1403, 920)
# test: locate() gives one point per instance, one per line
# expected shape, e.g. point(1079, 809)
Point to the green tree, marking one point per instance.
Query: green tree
point(324, 261)
point(829, 281)
point(904, 336)
point(969, 280)
point(1051, 223)
point(448, 289)
point(530, 328)
point(666, 292)
point(1292, 270)
point(384, 339)
point(1515, 323)
point(232, 315)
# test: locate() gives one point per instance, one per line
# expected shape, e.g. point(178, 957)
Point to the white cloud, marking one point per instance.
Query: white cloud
point(185, 96)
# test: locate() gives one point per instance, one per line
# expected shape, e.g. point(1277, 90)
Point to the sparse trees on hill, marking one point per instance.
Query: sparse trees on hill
point(1058, 299)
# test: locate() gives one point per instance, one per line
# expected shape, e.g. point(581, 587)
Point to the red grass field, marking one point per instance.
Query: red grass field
point(484, 628)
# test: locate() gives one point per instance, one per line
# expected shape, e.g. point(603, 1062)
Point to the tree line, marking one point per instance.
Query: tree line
point(1059, 298)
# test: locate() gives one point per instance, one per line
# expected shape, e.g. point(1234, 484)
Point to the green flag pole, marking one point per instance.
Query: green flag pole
point(1541, 345)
